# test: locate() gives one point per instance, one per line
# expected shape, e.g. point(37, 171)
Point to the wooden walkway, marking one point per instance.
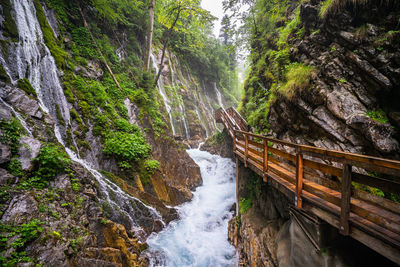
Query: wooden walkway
point(323, 182)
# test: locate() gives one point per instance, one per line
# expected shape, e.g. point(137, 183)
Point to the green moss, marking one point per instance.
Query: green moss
point(59, 115)
point(298, 78)
point(57, 52)
point(10, 28)
point(378, 115)
point(25, 85)
point(3, 75)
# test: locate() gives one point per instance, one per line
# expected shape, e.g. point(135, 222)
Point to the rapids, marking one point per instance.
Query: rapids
point(199, 237)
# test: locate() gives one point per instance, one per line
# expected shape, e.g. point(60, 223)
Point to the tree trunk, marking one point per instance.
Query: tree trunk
point(165, 46)
point(149, 35)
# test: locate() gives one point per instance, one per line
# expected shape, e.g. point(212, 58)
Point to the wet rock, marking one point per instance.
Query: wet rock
point(21, 209)
point(5, 153)
point(5, 177)
point(5, 113)
point(28, 150)
point(17, 98)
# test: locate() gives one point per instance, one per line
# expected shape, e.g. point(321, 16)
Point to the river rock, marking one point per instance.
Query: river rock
point(28, 150)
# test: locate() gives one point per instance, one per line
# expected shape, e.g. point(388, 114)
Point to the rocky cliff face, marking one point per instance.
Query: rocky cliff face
point(323, 73)
point(90, 150)
point(349, 102)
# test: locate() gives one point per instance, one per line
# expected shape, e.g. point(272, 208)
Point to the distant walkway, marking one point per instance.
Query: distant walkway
point(319, 181)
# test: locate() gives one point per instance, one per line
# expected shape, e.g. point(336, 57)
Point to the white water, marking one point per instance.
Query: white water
point(31, 58)
point(181, 106)
point(161, 90)
point(219, 96)
point(199, 237)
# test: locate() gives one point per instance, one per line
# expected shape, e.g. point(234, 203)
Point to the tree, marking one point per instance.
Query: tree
point(181, 16)
point(149, 34)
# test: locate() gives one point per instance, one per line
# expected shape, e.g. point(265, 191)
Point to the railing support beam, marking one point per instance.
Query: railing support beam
point(246, 149)
point(299, 179)
point(265, 159)
point(345, 200)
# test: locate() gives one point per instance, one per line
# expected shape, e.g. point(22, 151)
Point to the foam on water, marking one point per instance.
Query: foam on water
point(199, 237)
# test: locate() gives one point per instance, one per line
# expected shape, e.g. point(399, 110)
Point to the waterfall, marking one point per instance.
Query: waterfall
point(181, 106)
point(161, 90)
point(31, 58)
point(200, 236)
point(219, 96)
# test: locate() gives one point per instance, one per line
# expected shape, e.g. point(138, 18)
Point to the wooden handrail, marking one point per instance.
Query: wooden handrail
point(294, 170)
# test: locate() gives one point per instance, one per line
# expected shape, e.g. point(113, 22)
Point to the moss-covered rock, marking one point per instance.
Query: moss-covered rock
point(3, 75)
point(25, 85)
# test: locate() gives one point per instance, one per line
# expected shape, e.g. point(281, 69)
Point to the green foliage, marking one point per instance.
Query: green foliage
point(126, 146)
point(10, 28)
point(245, 204)
point(218, 138)
point(378, 115)
point(289, 28)
point(57, 52)
point(298, 78)
point(151, 165)
point(25, 85)
point(25, 234)
point(11, 132)
point(50, 162)
point(15, 167)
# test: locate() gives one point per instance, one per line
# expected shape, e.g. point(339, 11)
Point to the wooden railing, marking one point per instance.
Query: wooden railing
point(334, 182)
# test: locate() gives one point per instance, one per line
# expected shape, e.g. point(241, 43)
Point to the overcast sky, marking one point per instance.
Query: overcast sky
point(215, 7)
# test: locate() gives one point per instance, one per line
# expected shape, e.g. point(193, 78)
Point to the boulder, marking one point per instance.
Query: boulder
point(28, 150)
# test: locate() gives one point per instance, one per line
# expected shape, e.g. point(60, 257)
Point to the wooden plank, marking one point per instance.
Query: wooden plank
point(299, 179)
point(255, 151)
point(327, 169)
point(256, 144)
point(345, 201)
point(282, 154)
point(383, 184)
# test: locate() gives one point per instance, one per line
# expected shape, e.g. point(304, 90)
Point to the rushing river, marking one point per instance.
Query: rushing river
point(199, 237)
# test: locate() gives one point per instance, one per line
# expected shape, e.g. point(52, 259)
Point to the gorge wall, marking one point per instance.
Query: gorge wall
point(326, 74)
point(91, 151)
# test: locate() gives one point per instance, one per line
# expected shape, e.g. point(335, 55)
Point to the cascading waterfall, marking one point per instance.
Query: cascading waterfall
point(31, 58)
point(161, 90)
point(219, 96)
point(181, 106)
point(199, 237)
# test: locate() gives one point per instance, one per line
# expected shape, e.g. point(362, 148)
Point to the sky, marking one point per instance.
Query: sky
point(215, 7)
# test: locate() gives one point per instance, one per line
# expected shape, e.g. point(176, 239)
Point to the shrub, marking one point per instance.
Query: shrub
point(298, 78)
point(50, 162)
point(10, 133)
point(151, 165)
point(245, 204)
point(126, 146)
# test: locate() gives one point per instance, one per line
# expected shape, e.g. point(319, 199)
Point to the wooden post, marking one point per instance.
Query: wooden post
point(345, 201)
point(237, 186)
point(265, 160)
point(246, 149)
point(234, 141)
point(299, 179)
